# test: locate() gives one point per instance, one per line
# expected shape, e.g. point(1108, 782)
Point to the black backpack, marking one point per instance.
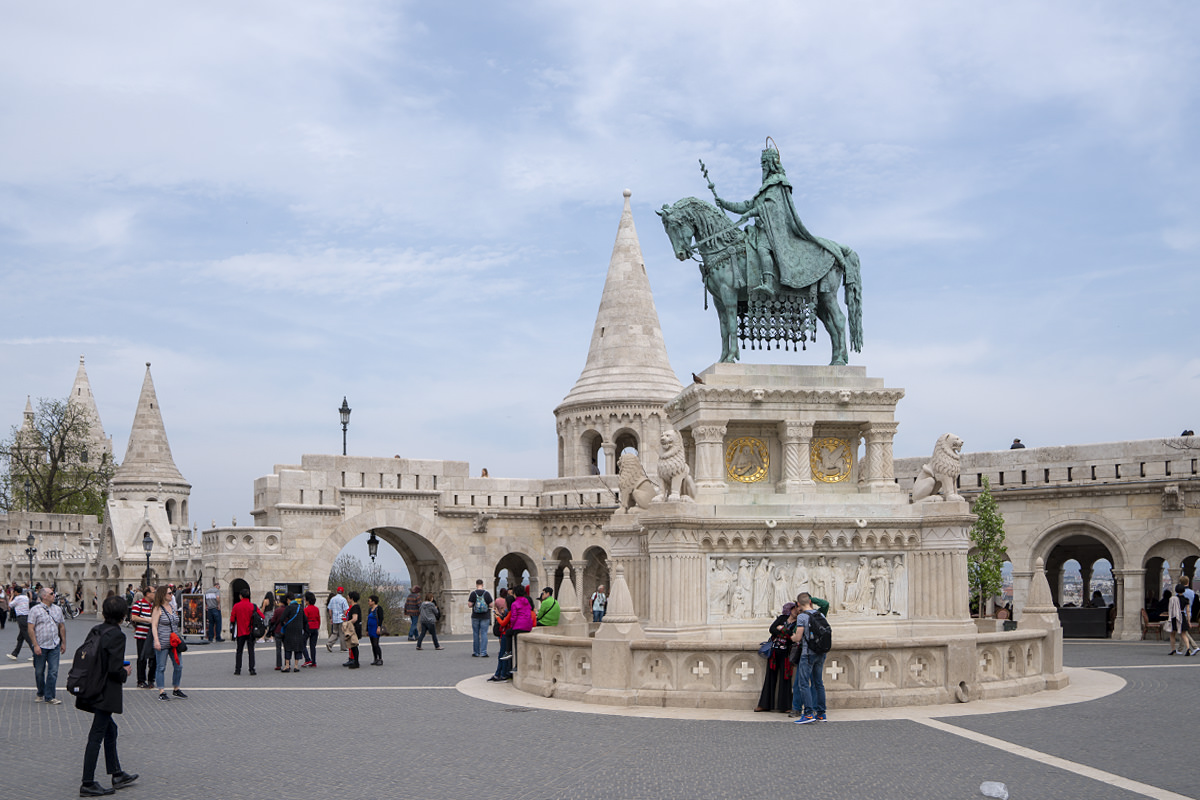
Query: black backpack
point(258, 625)
point(818, 633)
point(88, 674)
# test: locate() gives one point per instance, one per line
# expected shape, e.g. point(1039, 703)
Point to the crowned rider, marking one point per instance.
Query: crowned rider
point(779, 249)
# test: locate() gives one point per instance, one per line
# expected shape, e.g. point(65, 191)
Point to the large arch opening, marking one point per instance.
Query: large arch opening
point(430, 555)
point(563, 556)
point(514, 569)
point(1077, 566)
point(595, 575)
point(593, 443)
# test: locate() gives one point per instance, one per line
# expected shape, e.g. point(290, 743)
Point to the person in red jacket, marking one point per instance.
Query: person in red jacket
point(313, 615)
point(243, 630)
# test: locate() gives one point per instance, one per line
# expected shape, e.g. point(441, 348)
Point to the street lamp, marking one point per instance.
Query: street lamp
point(30, 551)
point(373, 546)
point(345, 413)
point(147, 545)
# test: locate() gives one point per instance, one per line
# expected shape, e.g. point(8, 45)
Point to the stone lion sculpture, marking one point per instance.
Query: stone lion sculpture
point(940, 473)
point(673, 470)
point(636, 488)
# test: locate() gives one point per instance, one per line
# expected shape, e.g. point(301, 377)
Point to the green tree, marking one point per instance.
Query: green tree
point(47, 466)
point(986, 560)
point(353, 575)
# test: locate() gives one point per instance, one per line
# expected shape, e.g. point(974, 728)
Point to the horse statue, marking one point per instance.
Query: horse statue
point(790, 316)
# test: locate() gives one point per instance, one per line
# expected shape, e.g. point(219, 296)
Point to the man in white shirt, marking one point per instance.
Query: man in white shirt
point(20, 607)
point(48, 632)
point(337, 614)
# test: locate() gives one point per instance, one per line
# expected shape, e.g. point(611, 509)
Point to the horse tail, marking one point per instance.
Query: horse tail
point(853, 294)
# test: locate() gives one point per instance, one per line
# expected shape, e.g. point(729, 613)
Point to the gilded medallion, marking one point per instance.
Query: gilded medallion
point(747, 459)
point(831, 459)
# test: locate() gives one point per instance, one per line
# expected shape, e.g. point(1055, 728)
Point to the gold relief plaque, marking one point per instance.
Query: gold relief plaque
point(747, 459)
point(831, 459)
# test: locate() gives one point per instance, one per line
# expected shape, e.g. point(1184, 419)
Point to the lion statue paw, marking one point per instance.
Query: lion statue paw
point(936, 480)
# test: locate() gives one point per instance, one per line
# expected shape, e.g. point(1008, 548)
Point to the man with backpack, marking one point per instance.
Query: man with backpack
point(96, 677)
point(813, 637)
point(481, 603)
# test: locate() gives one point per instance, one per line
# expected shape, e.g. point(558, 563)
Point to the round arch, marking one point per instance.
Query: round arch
point(516, 562)
point(408, 532)
point(1064, 526)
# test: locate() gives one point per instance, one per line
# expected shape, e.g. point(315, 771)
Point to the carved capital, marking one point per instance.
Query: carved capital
point(708, 434)
point(794, 431)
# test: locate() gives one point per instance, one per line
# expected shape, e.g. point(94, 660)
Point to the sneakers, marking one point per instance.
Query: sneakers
point(820, 717)
point(1173, 653)
point(54, 701)
point(804, 720)
point(14, 658)
point(163, 697)
point(506, 657)
point(178, 693)
point(1193, 651)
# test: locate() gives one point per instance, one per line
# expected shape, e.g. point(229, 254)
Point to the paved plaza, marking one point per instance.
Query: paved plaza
point(426, 725)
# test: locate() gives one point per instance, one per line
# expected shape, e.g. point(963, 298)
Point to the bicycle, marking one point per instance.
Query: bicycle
point(68, 608)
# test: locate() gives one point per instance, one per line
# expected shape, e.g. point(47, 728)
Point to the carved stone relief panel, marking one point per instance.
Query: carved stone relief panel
point(755, 586)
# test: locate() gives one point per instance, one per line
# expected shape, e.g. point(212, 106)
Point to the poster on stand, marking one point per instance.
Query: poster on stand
point(191, 609)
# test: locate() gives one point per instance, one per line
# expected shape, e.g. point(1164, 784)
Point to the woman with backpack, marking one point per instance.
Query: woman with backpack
point(111, 659)
point(429, 616)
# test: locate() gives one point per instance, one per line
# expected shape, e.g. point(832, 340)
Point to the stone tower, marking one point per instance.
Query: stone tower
point(81, 395)
point(148, 491)
point(619, 397)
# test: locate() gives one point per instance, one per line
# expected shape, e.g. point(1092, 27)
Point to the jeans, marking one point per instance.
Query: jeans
point(597, 616)
point(213, 615)
point(412, 628)
point(22, 634)
point(146, 665)
point(504, 665)
point(103, 730)
point(808, 690)
point(431, 630)
point(160, 669)
point(313, 634)
point(479, 635)
point(246, 641)
point(45, 667)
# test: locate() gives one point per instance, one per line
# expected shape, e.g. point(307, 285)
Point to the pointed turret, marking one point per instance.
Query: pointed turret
point(81, 396)
point(618, 399)
point(148, 456)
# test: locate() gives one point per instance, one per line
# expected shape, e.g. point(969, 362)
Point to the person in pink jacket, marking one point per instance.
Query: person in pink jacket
point(520, 619)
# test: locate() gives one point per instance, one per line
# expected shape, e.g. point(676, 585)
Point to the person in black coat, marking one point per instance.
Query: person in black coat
point(112, 660)
point(776, 692)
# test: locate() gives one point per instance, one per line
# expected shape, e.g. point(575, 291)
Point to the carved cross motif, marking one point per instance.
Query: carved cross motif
point(985, 662)
point(745, 670)
point(658, 668)
point(834, 670)
point(584, 665)
point(700, 670)
point(1029, 658)
point(878, 669)
point(917, 668)
point(1012, 660)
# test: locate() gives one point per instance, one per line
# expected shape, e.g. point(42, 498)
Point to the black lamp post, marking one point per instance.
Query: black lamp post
point(30, 551)
point(147, 545)
point(373, 546)
point(344, 411)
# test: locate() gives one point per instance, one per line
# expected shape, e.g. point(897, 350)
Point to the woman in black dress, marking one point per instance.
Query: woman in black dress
point(777, 683)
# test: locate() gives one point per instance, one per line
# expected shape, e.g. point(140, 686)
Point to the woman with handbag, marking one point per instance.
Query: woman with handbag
point(374, 624)
point(352, 630)
point(429, 616)
point(521, 620)
point(776, 692)
point(1177, 623)
point(168, 644)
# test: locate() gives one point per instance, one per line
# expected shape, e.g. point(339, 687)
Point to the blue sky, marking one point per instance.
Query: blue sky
point(280, 204)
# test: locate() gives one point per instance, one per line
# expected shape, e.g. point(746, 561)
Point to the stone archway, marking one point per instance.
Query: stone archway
point(434, 560)
point(1088, 538)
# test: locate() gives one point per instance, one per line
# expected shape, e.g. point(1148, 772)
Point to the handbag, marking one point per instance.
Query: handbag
point(765, 648)
point(177, 642)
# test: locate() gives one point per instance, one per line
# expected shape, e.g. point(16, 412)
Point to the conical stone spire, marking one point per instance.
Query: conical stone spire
point(148, 456)
point(81, 396)
point(627, 359)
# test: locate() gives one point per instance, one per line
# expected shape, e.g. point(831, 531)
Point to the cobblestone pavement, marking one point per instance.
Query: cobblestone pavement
point(403, 731)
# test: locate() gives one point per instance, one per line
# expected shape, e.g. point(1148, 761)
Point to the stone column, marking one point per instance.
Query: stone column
point(610, 457)
point(1127, 594)
point(549, 568)
point(710, 458)
point(879, 443)
point(581, 592)
point(797, 466)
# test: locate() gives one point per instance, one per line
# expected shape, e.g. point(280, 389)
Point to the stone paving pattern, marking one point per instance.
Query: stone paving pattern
point(402, 730)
